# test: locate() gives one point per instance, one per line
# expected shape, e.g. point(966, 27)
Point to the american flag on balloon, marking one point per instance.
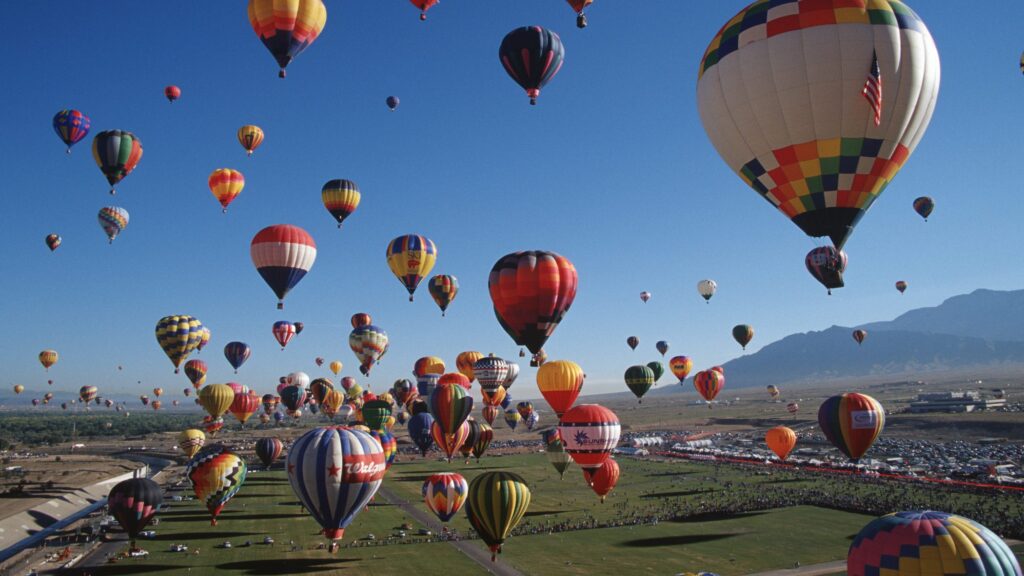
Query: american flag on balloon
point(872, 90)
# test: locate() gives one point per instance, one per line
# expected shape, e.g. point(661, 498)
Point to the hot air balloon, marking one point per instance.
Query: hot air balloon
point(639, 380)
point(283, 332)
point(859, 336)
point(419, 431)
point(411, 258)
point(531, 56)
point(851, 422)
point(827, 265)
point(375, 413)
point(578, 6)
point(632, 342)
point(743, 334)
point(340, 198)
point(113, 220)
point(172, 93)
point(283, 254)
point(773, 391)
point(560, 382)
point(603, 480)
point(824, 171)
point(48, 358)
point(924, 206)
point(929, 542)
point(88, 393)
point(472, 436)
point(708, 384)
point(589, 433)
point(134, 502)
point(204, 338)
point(490, 372)
point(531, 292)
point(250, 137)
point(793, 408)
point(707, 289)
point(18, 388)
point(71, 126)
point(53, 241)
point(360, 319)
point(191, 441)
point(336, 367)
point(392, 102)
point(319, 388)
point(226, 184)
point(901, 286)
point(465, 361)
point(658, 370)
point(369, 343)
point(423, 5)
point(293, 397)
point(195, 369)
point(335, 472)
point(490, 412)
point(428, 365)
point(662, 347)
point(443, 289)
point(287, 28)
point(300, 379)
point(332, 403)
point(450, 405)
point(445, 493)
point(216, 475)
point(389, 444)
point(645, 296)
point(158, 392)
point(497, 502)
point(278, 417)
point(781, 440)
point(680, 367)
point(404, 391)
point(236, 354)
point(525, 409)
point(268, 450)
point(449, 443)
point(117, 153)
point(216, 399)
point(178, 336)
point(243, 406)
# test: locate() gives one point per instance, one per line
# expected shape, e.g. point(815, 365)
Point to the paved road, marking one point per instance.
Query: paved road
point(476, 550)
point(810, 570)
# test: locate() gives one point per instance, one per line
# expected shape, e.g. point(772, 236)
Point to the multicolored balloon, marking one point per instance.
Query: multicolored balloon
point(369, 343)
point(709, 383)
point(195, 370)
point(244, 405)
point(134, 503)
point(743, 334)
point(250, 137)
point(287, 28)
point(283, 332)
point(411, 258)
point(924, 206)
point(531, 292)
point(236, 354)
point(589, 433)
point(283, 254)
point(851, 422)
point(178, 336)
point(191, 441)
point(117, 153)
point(827, 265)
point(225, 185)
point(680, 367)
point(269, 449)
point(217, 474)
point(497, 502)
point(449, 443)
point(48, 358)
point(341, 198)
point(113, 220)
point(859, 336)
point(555, 449)
point(445, 493)
point(71, 127)
point(901, 286)
point(443, 289)
point(532, 56)
point(560, 382)
point(53, 241)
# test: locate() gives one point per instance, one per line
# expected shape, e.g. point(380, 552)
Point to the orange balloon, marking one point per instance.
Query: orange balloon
point(781, 440)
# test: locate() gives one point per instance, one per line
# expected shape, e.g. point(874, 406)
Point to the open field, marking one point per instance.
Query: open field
point(45, 477)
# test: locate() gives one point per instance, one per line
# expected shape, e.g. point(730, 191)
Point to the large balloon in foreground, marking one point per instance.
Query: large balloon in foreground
point(589, 433)
point(531, 56)
point(225, 185)
point(282, 254)
point(924, 206)
point(134, 502)
point(287, 27)
point(113, 220)
point(560, 382)
point(71, 127)
point(785, 97)
point(827, 265)
point(340, 198)
point(531, 292)
point(444, 494)
point(335, 471)
point(921, 542)
point(497, 502)
point(851, 422)
point(178, 336)
point(781, 440)
point(250, 137)
point(411, 258)
point(216, 475)
point(117, 153)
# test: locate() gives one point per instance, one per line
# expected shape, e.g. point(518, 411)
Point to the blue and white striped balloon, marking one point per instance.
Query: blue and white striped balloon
point(335, 471)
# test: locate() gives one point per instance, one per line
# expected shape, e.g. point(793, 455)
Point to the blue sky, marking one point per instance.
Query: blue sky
point(612, 169)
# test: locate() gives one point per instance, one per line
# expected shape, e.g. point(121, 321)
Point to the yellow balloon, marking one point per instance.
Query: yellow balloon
point(250, 137)
point(216, 399)
point(560, 382)
point(464, 362)
point(226, 184)
point(411, 258)
point(336, 367)
point(191, 441)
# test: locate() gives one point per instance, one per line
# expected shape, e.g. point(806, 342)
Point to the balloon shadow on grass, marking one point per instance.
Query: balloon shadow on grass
point(681, 540)
point(675, 494)
point(716, 516)
point(286, 566)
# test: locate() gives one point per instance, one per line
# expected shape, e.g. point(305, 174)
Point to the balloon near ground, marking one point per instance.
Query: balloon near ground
point(603, 480)
point(216, 474)
point(268, 450)
point(929, 542)
point(781, 440)
point(560, 382)
point(445, 493)
point(851, 422)
point(134, 503)
point(589, 433)
point(497, 502)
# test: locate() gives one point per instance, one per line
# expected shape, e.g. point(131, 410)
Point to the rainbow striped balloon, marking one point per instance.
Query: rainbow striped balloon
point(445, 493)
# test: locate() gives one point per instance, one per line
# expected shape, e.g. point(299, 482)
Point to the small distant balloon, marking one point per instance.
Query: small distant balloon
point(250, 137)
point(707, 288)
point(645, 296)
point(172, 93)
point(113, 220)
point(901, 286)
point(53, 241)
point(392, 102)
point(924, 206)
point(71, 127)
point(424, 5)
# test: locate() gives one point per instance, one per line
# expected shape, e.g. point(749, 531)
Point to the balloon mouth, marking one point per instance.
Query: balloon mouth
point(281, 74)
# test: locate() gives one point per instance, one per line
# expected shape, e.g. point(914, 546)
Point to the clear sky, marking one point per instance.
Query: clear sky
point(612, 170)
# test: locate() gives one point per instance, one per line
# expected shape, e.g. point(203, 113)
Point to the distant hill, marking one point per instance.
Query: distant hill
point(976, 330)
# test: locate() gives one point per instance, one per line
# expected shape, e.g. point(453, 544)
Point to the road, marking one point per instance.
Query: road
point(476, 550)
point(809, 570)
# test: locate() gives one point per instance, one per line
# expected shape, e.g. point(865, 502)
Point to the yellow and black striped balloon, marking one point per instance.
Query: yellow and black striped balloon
point(497, 502)
point(341, 198)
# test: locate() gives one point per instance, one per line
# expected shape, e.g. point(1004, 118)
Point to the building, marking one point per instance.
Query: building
point(954, 402)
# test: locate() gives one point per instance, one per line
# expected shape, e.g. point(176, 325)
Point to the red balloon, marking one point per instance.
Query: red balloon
point(589, 432)
point(603, 480)
point(172, 93)
point(709, 383)
point(531, 292)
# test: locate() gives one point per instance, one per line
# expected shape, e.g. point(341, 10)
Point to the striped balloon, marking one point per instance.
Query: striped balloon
point(639, 380)
point(48, 358)
point(450, 405)
point(929, 542)
point(411, 258)
point(268, 450)
point(708, 384)
point(134, 502)
point(680, 367)
point(113, 220)
point(449, 443)
point(283, 254)
point(443, 289)
point(490, 412)
point(490, 372)
point(389, 444)
point(483, 441)
point(497, 502)
point(71, 127)
point(225, 185)
point(531, 56)
point(455, 379)
point(244, 405)
point(589, 433)
point(236, 354)
point(117, 153)
point(287, 27)
point(428, 365)
point(88, 393)
point(191, 441)
point(283, 332)
point(250, 137)
point(851, 422)
point(196, 369)
point(369, 343)
point(340, 198)
point(178, 336)
point(335, 471)
point(216, 475)
point(445, 493)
